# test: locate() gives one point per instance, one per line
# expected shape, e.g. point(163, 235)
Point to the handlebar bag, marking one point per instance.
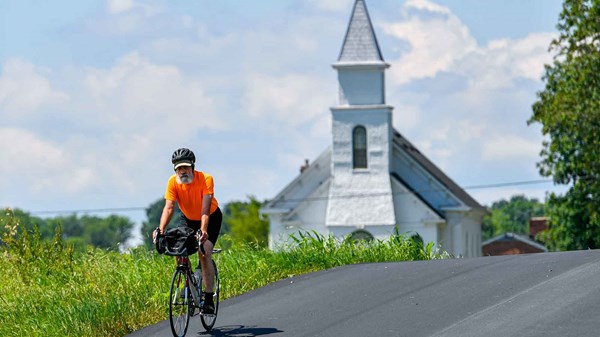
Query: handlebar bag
point(177, 241)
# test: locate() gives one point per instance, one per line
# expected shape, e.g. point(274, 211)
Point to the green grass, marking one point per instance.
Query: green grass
point(49, 290)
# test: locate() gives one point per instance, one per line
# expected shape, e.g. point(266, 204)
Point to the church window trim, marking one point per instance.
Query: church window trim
point(359, 147)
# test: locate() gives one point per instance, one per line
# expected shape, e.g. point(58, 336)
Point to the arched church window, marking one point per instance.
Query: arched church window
point(359, 147)
point(360, 235)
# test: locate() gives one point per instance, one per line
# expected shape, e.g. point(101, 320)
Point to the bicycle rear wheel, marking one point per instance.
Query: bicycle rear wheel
point(179, 303)
point(208, 321)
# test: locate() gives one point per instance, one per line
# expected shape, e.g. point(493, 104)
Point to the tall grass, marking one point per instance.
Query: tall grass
point(48, 290)
point(246, 267)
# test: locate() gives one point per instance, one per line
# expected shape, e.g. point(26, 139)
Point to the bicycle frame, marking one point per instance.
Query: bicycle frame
point(184, 264)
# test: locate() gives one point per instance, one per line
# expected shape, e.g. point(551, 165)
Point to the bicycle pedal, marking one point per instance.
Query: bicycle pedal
point(194, 312)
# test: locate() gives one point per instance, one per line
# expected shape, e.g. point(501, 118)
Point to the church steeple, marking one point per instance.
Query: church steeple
point(360, 192)
point(360, 44)
point(360, 66)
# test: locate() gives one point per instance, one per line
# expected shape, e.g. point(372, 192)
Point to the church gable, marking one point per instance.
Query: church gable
point(411, 210)
point(426, 180)
point(309, 213)
point(414, 217)
point(311, 178)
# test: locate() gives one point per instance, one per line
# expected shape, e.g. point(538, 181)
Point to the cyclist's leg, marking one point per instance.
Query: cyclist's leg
point(208, 271)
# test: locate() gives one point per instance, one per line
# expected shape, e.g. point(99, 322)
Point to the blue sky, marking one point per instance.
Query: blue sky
point(95, 95)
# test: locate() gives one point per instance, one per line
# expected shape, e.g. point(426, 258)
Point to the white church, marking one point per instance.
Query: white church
point(371, 181)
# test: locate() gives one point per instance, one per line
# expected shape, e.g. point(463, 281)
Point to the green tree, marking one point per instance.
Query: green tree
point(569, 110)
point(247, 225)
point(511, 216)
point(107, 232)
point(100, 232)
point(27, 220)
point(72, 226)
point(153, 213)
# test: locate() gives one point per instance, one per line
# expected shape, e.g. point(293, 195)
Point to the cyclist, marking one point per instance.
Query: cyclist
point(193, 191)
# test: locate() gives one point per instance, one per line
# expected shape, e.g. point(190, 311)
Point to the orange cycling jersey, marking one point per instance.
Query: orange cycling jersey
point(189, 196)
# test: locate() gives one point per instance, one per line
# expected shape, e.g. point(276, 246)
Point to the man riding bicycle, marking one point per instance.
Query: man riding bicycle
point(193, 191)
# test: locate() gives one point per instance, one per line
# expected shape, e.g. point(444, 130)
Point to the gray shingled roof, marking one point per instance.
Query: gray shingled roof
point(509, 236)
point(360, 43)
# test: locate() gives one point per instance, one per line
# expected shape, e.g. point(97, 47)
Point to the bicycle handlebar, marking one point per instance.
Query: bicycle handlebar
point(164, 249)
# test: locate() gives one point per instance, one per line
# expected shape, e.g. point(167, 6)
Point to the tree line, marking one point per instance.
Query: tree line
point(242, 223)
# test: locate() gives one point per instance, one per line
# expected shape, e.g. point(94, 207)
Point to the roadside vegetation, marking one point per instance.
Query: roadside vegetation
point(511, 215)
point(568, 111)
point(51, 289)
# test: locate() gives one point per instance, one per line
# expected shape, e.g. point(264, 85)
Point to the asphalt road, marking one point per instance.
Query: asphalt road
point(550, 294)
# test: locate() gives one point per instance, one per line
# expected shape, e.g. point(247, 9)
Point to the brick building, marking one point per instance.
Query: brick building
point(511, 243)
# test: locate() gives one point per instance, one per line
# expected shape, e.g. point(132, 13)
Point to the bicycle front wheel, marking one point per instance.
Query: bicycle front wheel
point(179, 302)
point(208, 321)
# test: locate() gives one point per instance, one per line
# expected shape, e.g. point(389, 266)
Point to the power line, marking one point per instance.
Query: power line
point(422, 191)
point(92, 210)
point(364, 195)
point(515, 183)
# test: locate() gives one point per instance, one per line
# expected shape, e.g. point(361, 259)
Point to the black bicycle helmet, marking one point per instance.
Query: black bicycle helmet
point(183, 155)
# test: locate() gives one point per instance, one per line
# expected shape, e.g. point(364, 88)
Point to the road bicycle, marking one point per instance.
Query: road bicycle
point(185, 293)
point(185, 296)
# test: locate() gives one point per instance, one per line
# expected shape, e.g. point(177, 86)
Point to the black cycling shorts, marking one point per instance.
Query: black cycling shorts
point(214, 224)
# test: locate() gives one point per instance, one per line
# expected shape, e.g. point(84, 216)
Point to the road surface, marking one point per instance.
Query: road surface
point(549, 294)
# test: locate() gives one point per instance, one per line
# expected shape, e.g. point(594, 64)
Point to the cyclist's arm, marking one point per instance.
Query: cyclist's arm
point(206, 202)
point(167, 213)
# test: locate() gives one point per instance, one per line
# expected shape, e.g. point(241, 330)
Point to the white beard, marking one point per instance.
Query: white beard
point(184, 179)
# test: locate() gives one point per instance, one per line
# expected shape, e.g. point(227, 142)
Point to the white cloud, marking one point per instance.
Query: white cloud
point(24, 88)
point(436, 42)
point(332, 5)
point(440, 42)
point(129, 17)
point(427, 6)
point(27, 151)
point(40, 165)
point(503, 61)
point(528, 55)
point(502, 148)
point(473, 100)
point(138, 95)
point(125, 116)
point(119, 6)
point(130, 8)
point(468, 130)
point(293, 98)
point(406, 115)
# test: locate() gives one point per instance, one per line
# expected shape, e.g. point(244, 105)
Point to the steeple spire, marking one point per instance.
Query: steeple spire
point(360, 44)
